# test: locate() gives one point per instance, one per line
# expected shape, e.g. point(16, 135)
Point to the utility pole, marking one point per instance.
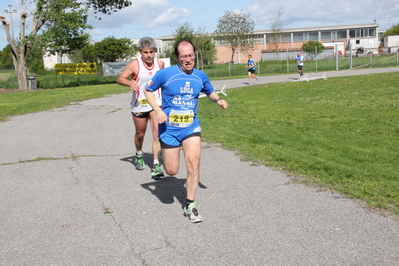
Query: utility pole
point(12, 25)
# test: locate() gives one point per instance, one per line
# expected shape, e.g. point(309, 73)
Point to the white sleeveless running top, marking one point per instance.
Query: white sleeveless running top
point(139, 101)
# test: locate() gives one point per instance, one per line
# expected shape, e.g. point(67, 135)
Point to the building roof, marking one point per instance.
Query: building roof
point(334, 27)
point(317, 28)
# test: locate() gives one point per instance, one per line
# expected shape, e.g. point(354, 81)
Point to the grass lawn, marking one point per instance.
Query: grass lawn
point(22, 102)
point(341, 133)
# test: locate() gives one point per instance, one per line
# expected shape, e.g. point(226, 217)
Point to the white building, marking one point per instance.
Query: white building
point(50, 59)
point(392, 43)
point(357, 35)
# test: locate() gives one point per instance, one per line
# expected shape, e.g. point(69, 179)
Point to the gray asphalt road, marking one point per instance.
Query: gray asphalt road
point(69, 195)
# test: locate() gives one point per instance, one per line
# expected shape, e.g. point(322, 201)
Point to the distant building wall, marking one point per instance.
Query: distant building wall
point(51, 59)
point(391, 41)
point(223, 54)
point(365, 35)
point(268, 55)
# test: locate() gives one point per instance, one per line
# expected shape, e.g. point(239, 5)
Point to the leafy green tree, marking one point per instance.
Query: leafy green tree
point(35, 60)
point(235, 30)
point(107, 6)
point(6, 58)
point(61, 22)
point(203, 43)
point(89, 54)
point(183, 32)
point(394, 30)
point(112, 49)
point(313, 48)
point(205, 48)
point(86, 54)
point(76, 55)
point(169, 53)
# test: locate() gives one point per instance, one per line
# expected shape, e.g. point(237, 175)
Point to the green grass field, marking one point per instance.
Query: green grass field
point(23, 102)
point(341, 133)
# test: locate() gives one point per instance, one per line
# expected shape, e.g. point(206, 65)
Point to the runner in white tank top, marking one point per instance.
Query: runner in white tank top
point(135, 76)
point(139, 101)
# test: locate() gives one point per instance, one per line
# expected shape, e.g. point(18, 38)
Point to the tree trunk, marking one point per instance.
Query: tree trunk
point(22, 73)
point(233, 50)
point(18, 53)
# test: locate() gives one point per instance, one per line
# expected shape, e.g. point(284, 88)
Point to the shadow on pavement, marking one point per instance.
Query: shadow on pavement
point(169, 188)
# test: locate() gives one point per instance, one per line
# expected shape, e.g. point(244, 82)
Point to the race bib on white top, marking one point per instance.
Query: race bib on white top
point(143, 103)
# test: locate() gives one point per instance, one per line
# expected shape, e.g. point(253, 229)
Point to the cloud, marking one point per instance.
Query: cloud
point(142, 14)
point(238, 11)
point(139, 13)
point(170, 17)
point(96, 32)
point(307, 13)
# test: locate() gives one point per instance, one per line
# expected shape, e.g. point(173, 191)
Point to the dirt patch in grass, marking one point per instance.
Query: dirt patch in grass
point(5, 76)
point(4, 91)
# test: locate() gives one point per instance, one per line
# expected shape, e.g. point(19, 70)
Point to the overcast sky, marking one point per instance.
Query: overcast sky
point(156, 18)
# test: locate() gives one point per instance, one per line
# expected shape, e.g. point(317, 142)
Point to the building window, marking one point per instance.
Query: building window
point(341, 34)
point(372, 32)
point(258, 39)
point(326, 35)
point(313, 36)
point(298, 37)
point(285, 37)
point(357, 41)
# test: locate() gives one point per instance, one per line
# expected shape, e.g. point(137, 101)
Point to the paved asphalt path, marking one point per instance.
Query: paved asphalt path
point(70, 195)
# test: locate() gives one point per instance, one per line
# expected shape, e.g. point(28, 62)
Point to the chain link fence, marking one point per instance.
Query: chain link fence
point(263, 68)
point(289, 65)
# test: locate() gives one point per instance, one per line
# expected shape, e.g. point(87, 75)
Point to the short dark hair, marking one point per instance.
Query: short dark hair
point(177, 46)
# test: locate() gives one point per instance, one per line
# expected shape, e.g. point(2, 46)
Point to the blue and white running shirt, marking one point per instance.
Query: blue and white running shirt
point(180, 92)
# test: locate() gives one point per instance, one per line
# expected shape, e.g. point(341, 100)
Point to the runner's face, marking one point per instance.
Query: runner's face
point(186, 57)
point(148, 55)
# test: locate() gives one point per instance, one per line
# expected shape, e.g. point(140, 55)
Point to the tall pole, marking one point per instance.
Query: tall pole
point(350, 56)
point(336, 57)
point(12, 25)
point(288, 64)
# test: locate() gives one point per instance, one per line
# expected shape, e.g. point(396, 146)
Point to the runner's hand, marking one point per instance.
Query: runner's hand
point(222, 103)
point(134, 86)
point(161, 117)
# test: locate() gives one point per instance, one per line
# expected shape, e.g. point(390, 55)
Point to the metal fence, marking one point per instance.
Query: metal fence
point(289, 65)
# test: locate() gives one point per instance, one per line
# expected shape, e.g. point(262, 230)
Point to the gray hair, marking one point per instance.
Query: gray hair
point(146, 42)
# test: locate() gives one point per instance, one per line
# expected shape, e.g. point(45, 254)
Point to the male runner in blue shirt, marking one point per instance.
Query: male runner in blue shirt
point(179, 126)
point(251, 69)
point(300, 59)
